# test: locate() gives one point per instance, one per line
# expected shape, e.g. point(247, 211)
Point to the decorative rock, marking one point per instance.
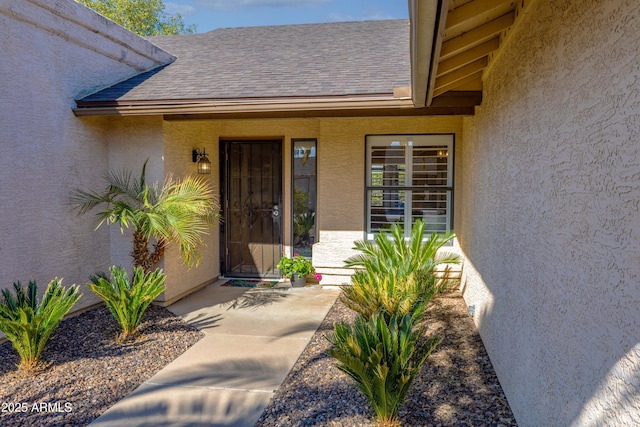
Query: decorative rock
point(457, 385)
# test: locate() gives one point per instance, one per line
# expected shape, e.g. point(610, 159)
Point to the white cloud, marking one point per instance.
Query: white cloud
point(242, 4)
point(182, 9)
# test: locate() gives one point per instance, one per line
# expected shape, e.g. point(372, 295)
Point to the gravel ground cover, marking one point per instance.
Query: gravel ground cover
point(88, 370)
point(457, 385)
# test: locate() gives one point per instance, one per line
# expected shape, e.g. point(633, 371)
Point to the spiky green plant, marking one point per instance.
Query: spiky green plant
point(128, 300)
point(392, 254)
point(29, 324)
point(179, 211)
point(396, 276)
point(383, 358)
point(386, 295)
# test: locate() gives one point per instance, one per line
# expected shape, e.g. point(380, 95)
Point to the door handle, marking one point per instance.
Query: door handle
point(276, 211)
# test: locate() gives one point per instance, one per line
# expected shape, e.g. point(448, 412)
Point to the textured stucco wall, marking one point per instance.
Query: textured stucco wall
point(550, 176)
point(131, 142)
point(340, 177)
point(341, 182)
point(52, 53)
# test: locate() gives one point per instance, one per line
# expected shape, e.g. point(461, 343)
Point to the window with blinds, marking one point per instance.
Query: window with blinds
point(409, 177)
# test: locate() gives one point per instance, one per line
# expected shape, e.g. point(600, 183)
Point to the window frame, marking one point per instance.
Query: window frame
point(293, 185)
point(431, 140)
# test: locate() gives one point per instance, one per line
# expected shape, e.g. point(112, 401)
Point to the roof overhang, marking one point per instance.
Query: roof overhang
point(427, 18)
point(347, 106)
point(202, 106)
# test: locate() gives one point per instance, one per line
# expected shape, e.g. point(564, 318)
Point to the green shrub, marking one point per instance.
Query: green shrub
point(29, 324)
point(127, 300)
point(395, 276)
point(387, 296)
point(391, 254)
point(382, 358)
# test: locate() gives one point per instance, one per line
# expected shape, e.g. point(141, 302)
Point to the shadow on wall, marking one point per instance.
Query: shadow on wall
point(618, 400)
point(610, 396)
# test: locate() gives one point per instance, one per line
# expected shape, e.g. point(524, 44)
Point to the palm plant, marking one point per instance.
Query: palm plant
point(29, 324)
point(387, 295)
point(128, 300)
point(395, 276)
point(383, 358)
point(180, 212)
point(391, 254)
point(302, 224)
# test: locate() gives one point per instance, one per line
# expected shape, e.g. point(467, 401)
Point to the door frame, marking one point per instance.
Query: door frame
point(225, 170)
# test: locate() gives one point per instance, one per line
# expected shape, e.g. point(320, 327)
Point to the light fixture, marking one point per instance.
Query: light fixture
point(204, 165)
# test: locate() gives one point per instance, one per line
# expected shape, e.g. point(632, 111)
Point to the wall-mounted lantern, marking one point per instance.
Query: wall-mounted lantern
point(204, 165)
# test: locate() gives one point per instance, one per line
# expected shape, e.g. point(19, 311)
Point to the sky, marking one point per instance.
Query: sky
point(211, 14)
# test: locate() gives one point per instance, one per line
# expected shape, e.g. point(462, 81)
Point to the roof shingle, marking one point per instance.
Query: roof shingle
point(309, 60)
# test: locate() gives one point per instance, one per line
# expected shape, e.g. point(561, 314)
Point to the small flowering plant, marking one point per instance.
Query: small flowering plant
point(297, 265)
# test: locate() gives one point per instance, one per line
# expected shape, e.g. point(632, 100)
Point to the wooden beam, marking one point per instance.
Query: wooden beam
point(468, 56)
point(451, 80)
point(476, 12)
point(464, 109)
point(476, 36)
point(471, 78)
point(458, 99)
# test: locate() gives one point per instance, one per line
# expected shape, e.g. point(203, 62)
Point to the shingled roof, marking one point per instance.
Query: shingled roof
point(310, 60)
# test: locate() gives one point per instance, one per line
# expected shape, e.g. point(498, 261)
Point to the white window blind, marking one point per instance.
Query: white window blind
point(409, 177)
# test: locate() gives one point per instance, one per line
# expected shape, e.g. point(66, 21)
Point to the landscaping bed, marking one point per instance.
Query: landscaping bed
point(457, 386)
point(88, 370)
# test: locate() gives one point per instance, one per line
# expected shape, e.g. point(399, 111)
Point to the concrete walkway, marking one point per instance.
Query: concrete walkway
point(253, 338)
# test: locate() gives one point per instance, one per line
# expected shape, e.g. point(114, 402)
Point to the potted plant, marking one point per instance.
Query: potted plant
point(296, 269)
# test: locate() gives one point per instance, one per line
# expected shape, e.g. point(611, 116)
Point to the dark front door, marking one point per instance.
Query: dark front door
point(252, 207)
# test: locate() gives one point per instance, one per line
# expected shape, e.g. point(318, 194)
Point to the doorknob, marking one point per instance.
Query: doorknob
point(276, 211)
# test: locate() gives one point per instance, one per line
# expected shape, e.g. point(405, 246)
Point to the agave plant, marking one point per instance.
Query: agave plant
point(128, 300)
point(383, 358)
point(29, 324)
point(179, 211)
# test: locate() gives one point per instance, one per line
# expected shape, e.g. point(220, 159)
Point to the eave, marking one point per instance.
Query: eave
point(347, 106)
point(461, 43)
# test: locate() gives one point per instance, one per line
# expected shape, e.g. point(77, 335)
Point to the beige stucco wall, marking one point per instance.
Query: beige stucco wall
point(549, 174)
point(341, 182)
point(340, 213)
point(54, 51)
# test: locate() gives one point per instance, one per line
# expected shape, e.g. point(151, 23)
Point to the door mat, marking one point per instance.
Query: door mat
point(247, 283)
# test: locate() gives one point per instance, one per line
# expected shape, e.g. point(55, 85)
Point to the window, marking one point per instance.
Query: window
point(409, 177)
point(304, 195)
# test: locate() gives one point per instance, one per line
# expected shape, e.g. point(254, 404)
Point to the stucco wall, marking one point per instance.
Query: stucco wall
point(132, 141)
point(54, 51)
point(341, 182)
point(551, 221)
point(340, 149)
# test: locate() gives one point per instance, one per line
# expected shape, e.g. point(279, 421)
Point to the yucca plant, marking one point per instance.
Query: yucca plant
point(383, 358)
point(29, 324)
point(128, 300)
